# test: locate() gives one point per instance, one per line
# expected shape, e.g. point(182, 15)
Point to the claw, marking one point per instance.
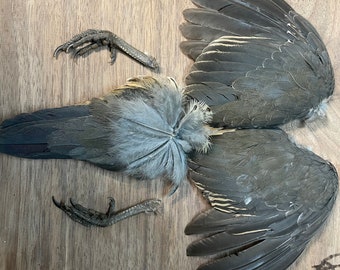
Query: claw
point(89, 217)
point(56, 203)
point(90, 40)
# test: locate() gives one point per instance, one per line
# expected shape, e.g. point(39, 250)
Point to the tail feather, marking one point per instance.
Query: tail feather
point(26, 135)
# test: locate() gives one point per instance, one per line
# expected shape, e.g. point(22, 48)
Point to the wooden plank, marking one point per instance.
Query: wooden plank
point(34, 234)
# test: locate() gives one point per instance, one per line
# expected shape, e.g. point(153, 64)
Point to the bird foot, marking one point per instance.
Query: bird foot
point(89, 217)
point(91, 40)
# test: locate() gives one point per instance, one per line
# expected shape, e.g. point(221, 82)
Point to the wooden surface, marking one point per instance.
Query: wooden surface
point(34, 234)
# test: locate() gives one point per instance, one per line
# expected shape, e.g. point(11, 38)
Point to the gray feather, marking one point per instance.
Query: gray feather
point(282, 68)
point(269, 197)
point(144, 128)
point(26, 135)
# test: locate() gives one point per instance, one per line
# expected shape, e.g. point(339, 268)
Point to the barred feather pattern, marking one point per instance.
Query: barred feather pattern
point(257, 63)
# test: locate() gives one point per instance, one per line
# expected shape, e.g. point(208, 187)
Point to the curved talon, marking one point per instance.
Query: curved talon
point(57, 51)
point(73, 203)
point(59, 204)
point(111, 199)
point(70, 47)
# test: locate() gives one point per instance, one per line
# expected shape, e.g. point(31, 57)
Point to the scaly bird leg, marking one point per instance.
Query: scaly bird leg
point(89, 217)
point(90, 40)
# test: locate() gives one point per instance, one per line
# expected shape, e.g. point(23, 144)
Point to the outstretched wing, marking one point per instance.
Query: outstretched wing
point(257, 63)
point(268, 196)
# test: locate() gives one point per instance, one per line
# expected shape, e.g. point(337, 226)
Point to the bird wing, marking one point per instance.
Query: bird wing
point(268, 196)
point(257, 63)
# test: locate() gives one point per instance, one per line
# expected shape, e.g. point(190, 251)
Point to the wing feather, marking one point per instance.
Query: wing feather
point(269, 197)
point(277, 54)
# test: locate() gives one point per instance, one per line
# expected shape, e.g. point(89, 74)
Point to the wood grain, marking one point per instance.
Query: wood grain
point(36, 235)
